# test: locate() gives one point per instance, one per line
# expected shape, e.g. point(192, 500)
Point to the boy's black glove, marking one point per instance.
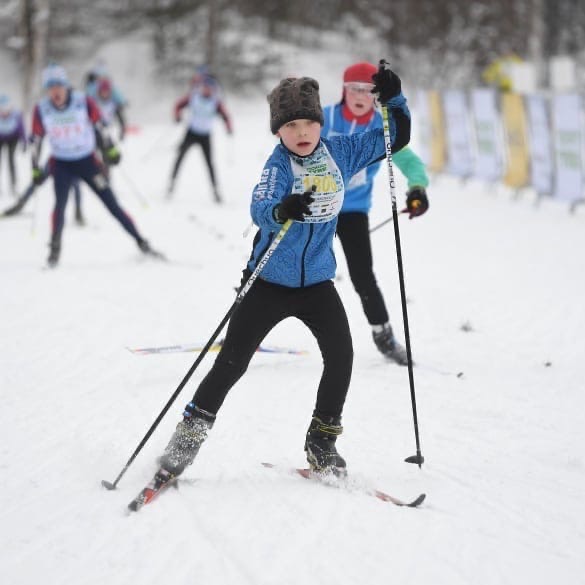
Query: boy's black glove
point(294, 206)
point(387, 83)
point(417, 202)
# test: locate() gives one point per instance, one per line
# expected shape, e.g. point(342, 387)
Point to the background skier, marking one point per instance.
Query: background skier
point(356, 113)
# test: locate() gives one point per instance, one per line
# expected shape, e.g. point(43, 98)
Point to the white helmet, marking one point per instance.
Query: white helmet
point(54, 75)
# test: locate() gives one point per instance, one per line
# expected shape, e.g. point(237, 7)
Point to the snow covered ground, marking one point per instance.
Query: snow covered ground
point(496, 290)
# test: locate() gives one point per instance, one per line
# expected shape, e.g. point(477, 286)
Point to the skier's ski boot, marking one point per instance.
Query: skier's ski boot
point(144, 246)
point(322, 455)
point(147, 250)
point(54, 253)
point(79, 219)
point(217, 196)
point(187, 439)
point(388, 346)
point(171, 188)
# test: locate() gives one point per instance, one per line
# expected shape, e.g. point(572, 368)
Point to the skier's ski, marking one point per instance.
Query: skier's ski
point(191, 347)
point(156, 255)
point(161, 481)
point(341, 483)
point(171, 349)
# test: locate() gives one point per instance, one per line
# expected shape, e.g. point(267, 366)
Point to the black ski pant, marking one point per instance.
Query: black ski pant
point(66, 173)
point(318, 307)
point(353, 230)
point(10, 146)
point(191, 138)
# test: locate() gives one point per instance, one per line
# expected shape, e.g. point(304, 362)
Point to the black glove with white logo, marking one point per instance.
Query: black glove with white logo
point(294, 206)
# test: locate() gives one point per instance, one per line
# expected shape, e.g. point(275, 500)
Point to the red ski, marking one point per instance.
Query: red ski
point(160, 482)
point(340, 483)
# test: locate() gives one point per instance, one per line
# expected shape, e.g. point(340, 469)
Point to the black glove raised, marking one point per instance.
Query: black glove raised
point(417, 202)
point(387, 83)
point(294, 206)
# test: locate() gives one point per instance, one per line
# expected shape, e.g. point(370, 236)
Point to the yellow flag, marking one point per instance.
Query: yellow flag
point(516, 138)
point(438, 142)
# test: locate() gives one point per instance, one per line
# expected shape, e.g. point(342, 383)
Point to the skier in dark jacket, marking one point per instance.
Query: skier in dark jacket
point(303, 181)
point(204, 102)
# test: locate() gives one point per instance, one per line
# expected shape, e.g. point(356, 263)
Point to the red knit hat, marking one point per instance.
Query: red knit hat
point(104, 86)
point(360, 72)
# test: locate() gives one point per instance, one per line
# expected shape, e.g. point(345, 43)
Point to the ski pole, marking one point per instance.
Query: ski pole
point(383, 223)
point(418, 458)
point(243, 291)
point(156, 143)
point(133, 187)
point(20, 203)
point(33, 221)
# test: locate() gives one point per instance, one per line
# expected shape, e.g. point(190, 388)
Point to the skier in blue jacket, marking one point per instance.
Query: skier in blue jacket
point(357, 113)
point(304, 181)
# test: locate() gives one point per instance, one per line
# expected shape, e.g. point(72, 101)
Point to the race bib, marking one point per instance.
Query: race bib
point(321, 171)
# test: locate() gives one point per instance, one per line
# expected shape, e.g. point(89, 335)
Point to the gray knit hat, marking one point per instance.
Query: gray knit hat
point(294, 99)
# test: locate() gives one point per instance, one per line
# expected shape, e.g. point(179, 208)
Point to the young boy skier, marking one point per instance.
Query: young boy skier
point(204, 102)
point(71, 121)
point(303, 181)
point(354, 114)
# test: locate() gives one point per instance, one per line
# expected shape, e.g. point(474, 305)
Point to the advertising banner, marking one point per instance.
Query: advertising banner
point(540, 142)
point(459, 145)
point(422, 127)
point(438, 144)
point(487, 126)
point(567, 119)
point(516, 141)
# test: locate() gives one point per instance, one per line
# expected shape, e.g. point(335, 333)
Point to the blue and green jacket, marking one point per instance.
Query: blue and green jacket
point(358, 194)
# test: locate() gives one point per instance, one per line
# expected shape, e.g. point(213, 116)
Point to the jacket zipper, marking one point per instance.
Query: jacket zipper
point(304, 253)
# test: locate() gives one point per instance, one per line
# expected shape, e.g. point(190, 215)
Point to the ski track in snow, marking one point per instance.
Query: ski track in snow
point(503, 473)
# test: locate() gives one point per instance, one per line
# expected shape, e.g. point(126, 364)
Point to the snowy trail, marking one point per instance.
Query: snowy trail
point(503, 473)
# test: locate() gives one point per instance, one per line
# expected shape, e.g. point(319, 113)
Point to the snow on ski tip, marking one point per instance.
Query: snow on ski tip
point(160, 482)
point(339, 483)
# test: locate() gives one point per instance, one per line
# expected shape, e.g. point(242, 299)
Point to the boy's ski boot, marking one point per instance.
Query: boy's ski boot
point(387, 344)
point(186, 440)
point(322, 455)
point(54, 253)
